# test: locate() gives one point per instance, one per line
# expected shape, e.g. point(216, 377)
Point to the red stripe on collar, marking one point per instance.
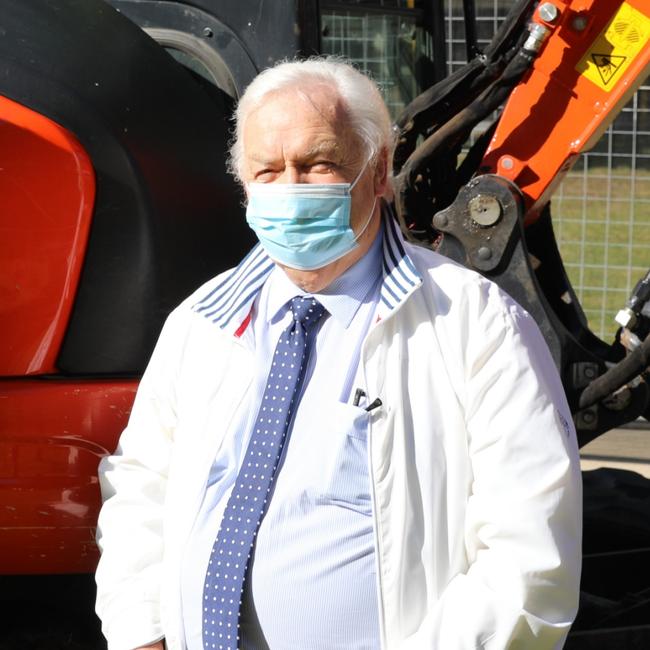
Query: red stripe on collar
point(245, 323)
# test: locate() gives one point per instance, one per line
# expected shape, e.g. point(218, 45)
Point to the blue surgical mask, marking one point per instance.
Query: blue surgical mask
point(303, 225)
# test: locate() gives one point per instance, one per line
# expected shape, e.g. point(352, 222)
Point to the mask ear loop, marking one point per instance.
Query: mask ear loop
point(374, 203)
point(365, 227)
point(359, 175)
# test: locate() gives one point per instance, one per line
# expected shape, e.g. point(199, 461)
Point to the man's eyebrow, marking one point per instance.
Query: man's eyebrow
point(261, 160)
point(328, 147)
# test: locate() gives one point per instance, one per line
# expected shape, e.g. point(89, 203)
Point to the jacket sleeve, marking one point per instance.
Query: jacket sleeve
point(133, 484)
point(523, 521)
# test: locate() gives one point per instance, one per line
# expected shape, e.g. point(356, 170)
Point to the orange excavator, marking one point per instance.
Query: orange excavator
point(115, 204)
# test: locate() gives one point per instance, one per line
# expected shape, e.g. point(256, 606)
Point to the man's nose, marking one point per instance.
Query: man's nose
point(291, 175)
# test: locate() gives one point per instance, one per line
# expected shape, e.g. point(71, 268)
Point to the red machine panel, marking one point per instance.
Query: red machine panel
point(54, 433)
point(47, 192)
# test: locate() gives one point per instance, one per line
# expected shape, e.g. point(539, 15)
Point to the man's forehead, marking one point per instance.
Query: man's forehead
point(313, 121)
point(317, 102)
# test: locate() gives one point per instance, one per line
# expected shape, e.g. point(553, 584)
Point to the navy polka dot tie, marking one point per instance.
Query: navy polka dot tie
point(224, 581)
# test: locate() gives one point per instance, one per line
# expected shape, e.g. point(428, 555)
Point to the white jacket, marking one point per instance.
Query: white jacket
point(474, 464)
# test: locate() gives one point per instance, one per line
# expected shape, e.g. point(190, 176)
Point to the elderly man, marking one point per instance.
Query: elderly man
point(347, 442)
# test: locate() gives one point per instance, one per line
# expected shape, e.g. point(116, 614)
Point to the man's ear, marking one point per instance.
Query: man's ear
point(381, 173)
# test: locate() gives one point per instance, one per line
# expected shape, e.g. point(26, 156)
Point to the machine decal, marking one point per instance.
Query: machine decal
point(622, 39)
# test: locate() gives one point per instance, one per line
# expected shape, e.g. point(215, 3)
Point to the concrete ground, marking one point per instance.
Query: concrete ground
point(627, 448)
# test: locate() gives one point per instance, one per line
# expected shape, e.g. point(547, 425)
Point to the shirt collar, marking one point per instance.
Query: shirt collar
point(342, 298)
point(228, 299)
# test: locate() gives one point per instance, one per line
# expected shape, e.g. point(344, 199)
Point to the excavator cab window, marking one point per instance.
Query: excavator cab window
point(388, 40)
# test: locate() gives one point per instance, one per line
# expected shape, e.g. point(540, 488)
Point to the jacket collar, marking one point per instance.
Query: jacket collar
point(229, 303)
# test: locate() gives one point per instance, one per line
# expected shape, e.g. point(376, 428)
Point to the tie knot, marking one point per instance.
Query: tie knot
point(306, 310)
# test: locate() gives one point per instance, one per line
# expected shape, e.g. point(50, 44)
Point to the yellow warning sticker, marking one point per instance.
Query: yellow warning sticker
point(624, 36)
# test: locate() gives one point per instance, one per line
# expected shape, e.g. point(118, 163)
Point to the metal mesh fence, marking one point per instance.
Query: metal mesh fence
point(601, 211)
point(383, 45)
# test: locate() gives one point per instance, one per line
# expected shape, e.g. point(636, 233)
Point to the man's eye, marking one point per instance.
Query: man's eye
point(323, 166)
point(265, 174)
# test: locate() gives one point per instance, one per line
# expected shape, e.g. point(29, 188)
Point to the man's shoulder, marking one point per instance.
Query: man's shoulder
point(457, 286)
point(440, 272)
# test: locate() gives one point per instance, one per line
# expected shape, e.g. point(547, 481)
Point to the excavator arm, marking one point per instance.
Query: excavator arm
point(556, 74)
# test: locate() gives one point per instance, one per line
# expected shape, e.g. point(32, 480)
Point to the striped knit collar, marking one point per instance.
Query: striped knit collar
point(228, 304)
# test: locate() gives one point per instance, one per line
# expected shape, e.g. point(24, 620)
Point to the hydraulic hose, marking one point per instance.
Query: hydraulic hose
point(630, 367)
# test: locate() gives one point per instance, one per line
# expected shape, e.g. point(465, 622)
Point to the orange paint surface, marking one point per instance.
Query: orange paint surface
point(54, 433)
point(47, 193)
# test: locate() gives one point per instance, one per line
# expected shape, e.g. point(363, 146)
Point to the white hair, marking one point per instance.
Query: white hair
point(369, 117)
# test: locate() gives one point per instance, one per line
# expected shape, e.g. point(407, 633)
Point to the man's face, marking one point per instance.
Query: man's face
point(305, 137)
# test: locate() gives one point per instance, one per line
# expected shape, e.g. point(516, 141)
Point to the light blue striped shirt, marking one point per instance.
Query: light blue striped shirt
point(312, 583)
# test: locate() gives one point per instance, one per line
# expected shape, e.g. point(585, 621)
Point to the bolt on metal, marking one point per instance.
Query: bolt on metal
point(484, 253)
point(548, 12)
point(484, 209)
point(579, 23)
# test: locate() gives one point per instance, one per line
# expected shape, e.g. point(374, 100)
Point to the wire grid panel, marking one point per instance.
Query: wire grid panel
point(601, 211)
point(384, 46)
